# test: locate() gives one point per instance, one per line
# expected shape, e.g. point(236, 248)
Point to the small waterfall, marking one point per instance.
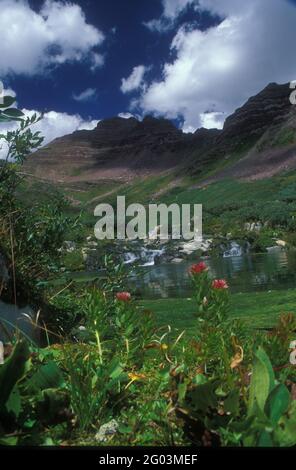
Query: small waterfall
point(146, 256)
point(234, 250)
point(130, 258)
point(149, 256)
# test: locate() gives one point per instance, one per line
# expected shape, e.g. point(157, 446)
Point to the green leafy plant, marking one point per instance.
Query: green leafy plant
point(12, 371)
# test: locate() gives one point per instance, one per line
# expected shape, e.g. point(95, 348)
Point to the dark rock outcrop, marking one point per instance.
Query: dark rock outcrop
point(270, 106)
point(117, 148)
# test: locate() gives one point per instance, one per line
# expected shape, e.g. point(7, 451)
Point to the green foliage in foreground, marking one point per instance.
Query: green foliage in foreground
point(31, 233)
point(220, 386)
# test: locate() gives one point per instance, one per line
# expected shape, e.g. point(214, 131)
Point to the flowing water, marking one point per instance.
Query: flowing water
point(234, 250)
point(145, 257)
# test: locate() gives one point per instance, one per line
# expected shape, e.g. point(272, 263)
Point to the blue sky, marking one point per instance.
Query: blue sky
point(193, 61)
point(128, 42)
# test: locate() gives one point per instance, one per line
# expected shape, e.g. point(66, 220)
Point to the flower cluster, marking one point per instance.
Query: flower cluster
point(198, 268)
point(123, 296)
point(219, 284)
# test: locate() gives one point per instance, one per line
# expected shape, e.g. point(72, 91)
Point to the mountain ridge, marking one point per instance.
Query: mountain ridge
point(123, 149)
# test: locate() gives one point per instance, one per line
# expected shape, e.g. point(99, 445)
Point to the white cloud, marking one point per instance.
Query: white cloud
point(97, 61)
point(55, 124)
point(126, 115)
point(171, 10)
point(52, 125)
point(86, 95)
point(227, 7)
point(134, 81)
point(32, 41)
point(160, 25)
point(216, 70)
point(212, 120)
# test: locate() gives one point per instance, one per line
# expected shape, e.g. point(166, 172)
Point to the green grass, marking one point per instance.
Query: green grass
point(281, 138)
point(229, 204)
point(218, 195)
point(211, 167)
point(257, 309)
point(143, 190)
point(286, 136)
point(227, 191)
point(85, 193)
point(230, 190)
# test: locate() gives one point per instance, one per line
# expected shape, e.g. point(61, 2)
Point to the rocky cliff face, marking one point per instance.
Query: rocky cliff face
point(118, 148)
point(248, 123)
point(263, 134)
point(124, 148)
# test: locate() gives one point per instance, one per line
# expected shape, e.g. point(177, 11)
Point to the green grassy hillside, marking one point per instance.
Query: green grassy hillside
point(227, 205)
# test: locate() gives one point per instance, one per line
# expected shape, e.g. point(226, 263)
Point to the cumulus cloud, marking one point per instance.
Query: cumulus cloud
point(58, 33)
point(86, 95)
point(52, 125)
point(134, 81)
point(56, 124)
point(216, 70)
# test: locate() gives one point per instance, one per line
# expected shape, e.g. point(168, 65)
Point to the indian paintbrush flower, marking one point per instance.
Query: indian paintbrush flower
point(123, 296)
point(219, 284)
point(198, 268)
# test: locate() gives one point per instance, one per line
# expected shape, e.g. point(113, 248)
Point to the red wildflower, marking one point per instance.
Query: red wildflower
point(198, 268)
point(219, 284)
point(123, 296)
